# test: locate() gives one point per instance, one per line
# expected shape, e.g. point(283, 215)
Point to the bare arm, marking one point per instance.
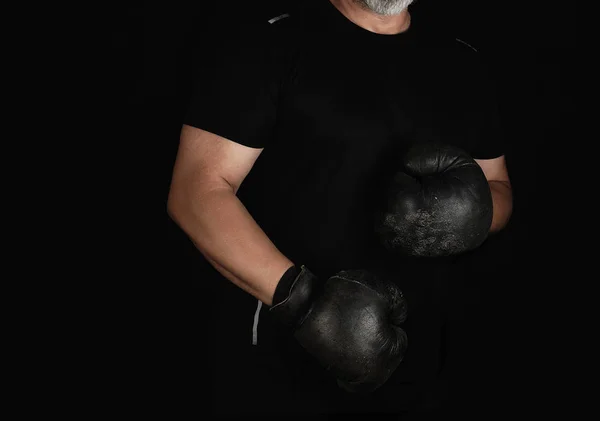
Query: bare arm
point(497, 175)
point(208, 172)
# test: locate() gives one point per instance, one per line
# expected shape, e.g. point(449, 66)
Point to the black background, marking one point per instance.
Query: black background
point(504, 349)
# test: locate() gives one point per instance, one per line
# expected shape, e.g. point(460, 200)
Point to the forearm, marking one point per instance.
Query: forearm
point(502, 199)
point(226, 234)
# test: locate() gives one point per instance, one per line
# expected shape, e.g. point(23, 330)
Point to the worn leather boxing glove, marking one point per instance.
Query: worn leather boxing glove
point(438, 203)
point(350, 324)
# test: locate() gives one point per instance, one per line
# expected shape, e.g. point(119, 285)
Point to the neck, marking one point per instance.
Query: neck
point(367, 19)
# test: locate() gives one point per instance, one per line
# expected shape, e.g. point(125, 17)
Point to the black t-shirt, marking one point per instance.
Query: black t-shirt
point(334, 105)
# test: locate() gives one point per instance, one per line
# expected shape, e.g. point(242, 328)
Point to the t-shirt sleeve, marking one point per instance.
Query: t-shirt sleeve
point(477, 90)
point(234, 86)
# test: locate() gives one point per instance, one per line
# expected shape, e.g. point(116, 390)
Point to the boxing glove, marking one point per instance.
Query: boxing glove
point(350, 324)
point(438, 203)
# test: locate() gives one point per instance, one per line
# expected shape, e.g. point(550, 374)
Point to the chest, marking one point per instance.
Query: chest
point(360, 95)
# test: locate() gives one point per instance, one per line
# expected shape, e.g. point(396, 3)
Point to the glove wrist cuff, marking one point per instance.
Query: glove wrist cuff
point(282, 291)
point(293, 296)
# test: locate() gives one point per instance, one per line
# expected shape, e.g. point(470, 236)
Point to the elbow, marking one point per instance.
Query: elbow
point(502, 199)
point(187, 198)
point(174, 205)
point(171, 212)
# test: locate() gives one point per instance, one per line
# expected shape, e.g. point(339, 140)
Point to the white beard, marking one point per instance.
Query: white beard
point(385, 7)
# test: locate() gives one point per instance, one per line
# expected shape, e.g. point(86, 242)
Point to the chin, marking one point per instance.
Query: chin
point(386, 7)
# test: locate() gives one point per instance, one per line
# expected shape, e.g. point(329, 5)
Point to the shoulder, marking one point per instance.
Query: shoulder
point(465, 46)
point(459, 47)
point(461, 53)
point(447, 45)
point(268, 29)
point(459, 59)
point(286, 25)
point(467, 54)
